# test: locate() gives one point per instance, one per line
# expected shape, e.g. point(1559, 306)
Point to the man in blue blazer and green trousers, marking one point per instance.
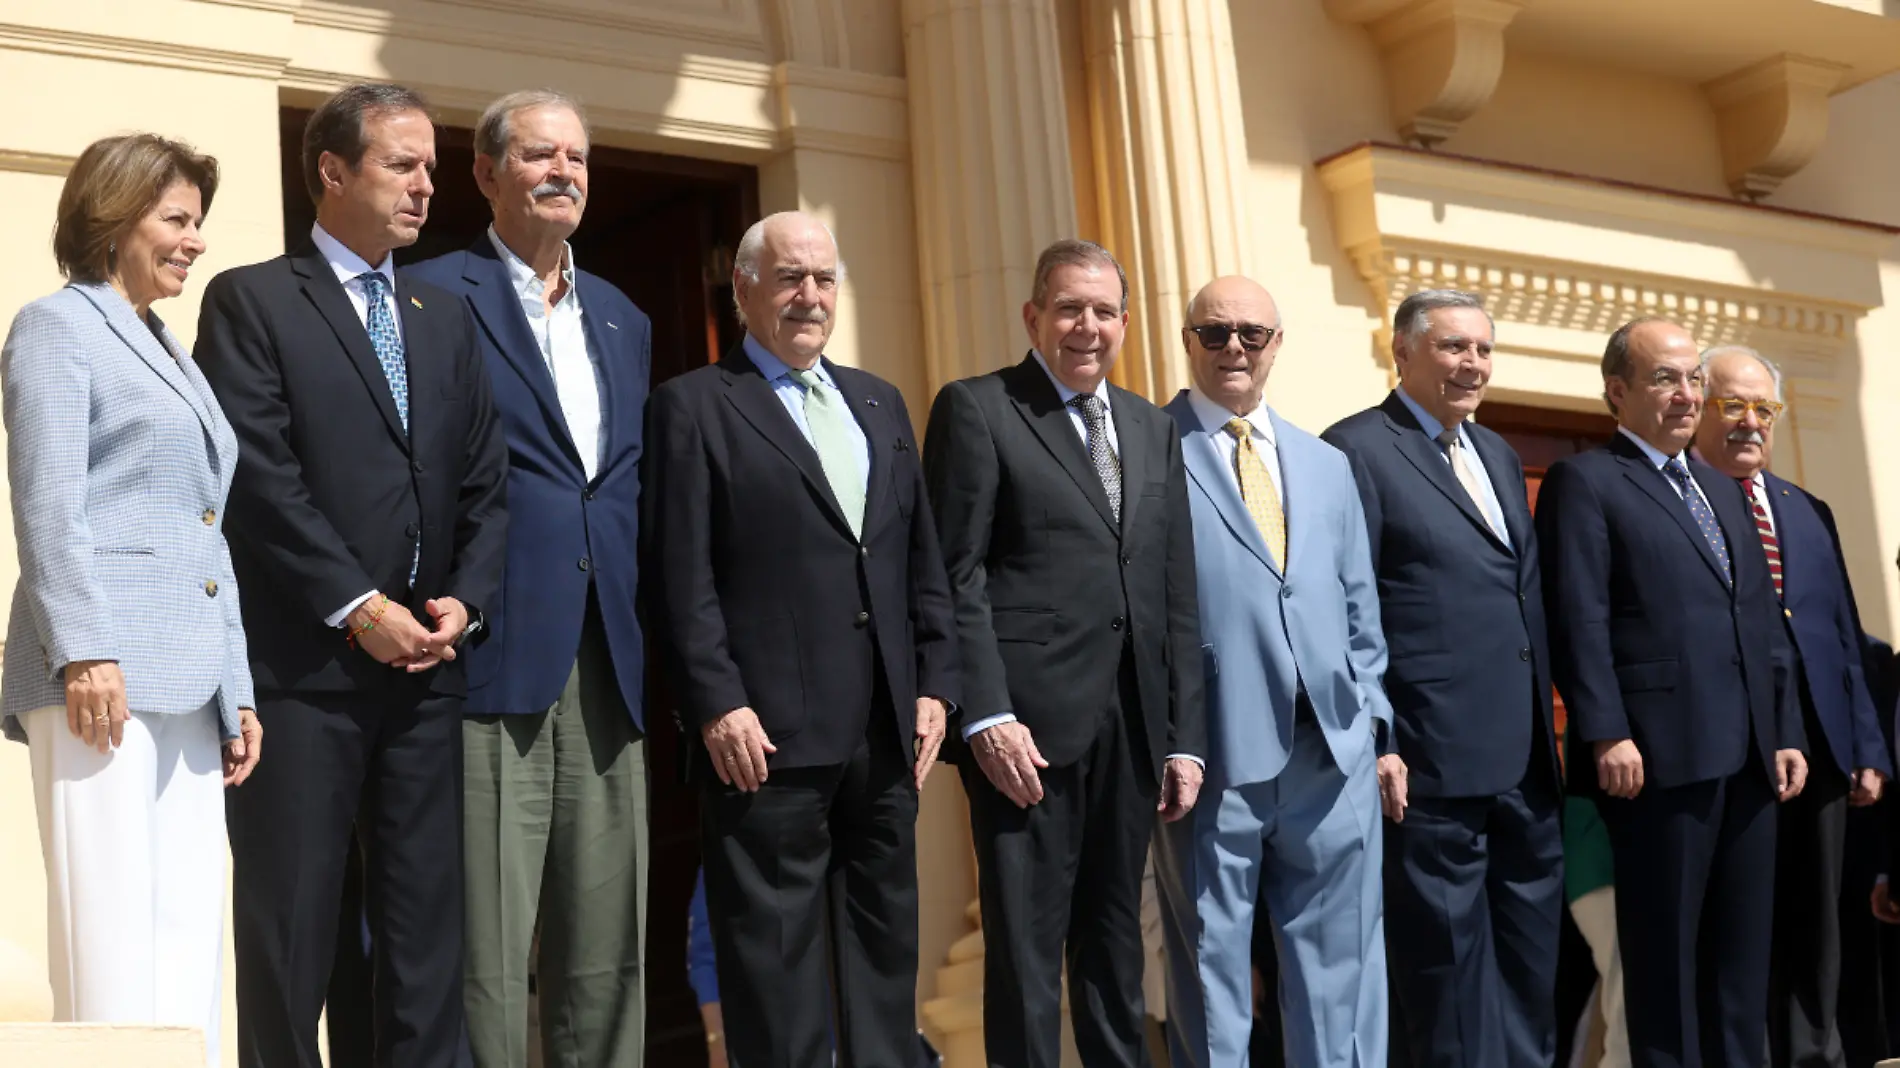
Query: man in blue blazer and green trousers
point(555, 777)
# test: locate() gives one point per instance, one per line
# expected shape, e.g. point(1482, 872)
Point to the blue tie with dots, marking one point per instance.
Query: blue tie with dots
point(1678, 473)
point(387, 342)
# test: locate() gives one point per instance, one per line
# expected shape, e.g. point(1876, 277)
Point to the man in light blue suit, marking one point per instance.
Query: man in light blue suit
point(1293, 655)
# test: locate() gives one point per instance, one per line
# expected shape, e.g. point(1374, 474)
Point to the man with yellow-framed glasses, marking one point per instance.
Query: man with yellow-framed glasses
point(1848, 762)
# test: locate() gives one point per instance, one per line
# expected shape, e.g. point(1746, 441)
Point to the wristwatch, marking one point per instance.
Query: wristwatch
point(474, 625)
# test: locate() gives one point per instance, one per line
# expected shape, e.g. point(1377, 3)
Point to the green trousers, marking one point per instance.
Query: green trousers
point(555, 829)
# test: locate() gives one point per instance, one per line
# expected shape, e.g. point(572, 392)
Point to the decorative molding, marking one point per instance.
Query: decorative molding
point(739, 25)
point(1442, 57)
point(141, 51)
point(1772, 117)
point(52, 164)
point(811, 32)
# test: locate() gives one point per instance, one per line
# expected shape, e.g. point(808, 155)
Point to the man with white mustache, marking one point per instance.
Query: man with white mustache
point(1474, 853)
point(554, 822)
point(1847, 762)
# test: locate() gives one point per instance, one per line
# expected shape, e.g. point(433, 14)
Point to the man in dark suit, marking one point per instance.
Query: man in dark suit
point(367, 528)
point(1474, 862)
point(1669, 651)
point(555, 777)
point(1062, 503)
point(808, 625)
point(1848, 762)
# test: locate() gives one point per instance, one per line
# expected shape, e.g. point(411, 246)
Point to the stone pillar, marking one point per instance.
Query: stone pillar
point(990, 163)
point(1170, 166)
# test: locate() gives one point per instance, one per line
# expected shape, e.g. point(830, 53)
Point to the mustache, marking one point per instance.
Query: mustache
point(804, 315)
point(557, 188)
point(1744, 436)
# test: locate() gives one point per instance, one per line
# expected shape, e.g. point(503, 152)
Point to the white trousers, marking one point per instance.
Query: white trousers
point(1595, 913)
point(135, 870)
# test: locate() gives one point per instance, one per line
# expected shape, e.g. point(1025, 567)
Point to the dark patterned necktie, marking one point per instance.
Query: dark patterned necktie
point(1107, 467)
point(1769, 543)
point(1678, 473)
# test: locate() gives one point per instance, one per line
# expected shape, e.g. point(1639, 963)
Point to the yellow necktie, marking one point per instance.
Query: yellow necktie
point(1256, 488)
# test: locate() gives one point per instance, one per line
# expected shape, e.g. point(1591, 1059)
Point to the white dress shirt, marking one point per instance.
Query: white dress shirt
point(1215, 418)
point(790, 393)
point(562, 338)
point(1493, 510)
point(350, 267)
point(1661, 459)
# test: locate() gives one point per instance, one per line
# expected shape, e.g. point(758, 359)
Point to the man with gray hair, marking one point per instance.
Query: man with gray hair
point(1847, 762)
point(553, 742)
point(807, 626)
point(1474, 853)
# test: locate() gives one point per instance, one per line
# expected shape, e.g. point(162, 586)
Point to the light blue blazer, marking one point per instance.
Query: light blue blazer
point(118, 462)
point(1265, 633)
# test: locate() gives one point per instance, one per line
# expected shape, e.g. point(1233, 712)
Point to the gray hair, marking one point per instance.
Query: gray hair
point(745, 260)
point(1616, 353)
point(496, 127)
point(1411, 321)
point(1709, 355)
point(1073, 252)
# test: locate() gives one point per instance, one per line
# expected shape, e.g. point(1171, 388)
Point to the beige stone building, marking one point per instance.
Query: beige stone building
point(1734, 163)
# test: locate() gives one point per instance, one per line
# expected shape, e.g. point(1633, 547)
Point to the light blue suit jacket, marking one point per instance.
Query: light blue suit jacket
point(1264, 633)
point(118, 462)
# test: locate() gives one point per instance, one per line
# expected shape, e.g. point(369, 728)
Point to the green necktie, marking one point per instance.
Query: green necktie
point(838, 453)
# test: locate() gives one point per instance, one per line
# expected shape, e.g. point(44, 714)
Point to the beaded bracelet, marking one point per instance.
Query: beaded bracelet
point(369, 626)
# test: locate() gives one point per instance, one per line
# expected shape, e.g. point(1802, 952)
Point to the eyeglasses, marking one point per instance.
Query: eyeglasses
point(1667, 380)
point(1253, 336)
point(1733, 408)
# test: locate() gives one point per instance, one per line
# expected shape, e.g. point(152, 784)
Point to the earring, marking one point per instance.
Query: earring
point(112, 249)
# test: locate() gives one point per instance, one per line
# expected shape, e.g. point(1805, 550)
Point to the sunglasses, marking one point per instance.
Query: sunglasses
point(1253, 336)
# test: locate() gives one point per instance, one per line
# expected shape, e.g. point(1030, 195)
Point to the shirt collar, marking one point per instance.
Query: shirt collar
point(1657, 457)
point(1215, 416)
point(523, 277)
point(1064, 392)
point(348, 265)
point(773, 368)
point(1426, 420)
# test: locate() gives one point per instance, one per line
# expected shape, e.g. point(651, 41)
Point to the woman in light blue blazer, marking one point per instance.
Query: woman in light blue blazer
point(125, 667)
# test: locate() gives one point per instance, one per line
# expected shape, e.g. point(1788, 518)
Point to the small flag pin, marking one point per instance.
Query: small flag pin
point(416, 302)
point(613, 324)
point(872, 401)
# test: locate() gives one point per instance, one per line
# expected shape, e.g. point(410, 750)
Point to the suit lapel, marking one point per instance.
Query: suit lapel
point(1301, 488)
point(1205, 467)
point(321, 288)
point(498, 309)
point(749, 392)
point(1638, 469)
point(1131, 429)
point(1507, 482)
point(1423, 453)
point(1782, 507)
point(879, 442)
point(1041, 407)
point(157, 354)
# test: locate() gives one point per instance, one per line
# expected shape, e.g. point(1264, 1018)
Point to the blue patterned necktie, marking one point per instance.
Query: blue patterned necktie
point(1678, 473)
point(387, 342)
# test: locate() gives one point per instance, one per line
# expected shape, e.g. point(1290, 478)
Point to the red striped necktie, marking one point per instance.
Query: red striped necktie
point(1768, 541)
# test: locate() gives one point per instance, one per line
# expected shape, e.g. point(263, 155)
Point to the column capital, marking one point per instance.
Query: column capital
point(1442, 57)
point(1772, 116)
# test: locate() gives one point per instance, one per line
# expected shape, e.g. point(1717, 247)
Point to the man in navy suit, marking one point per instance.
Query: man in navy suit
point(1848, 763)
point(554, 757)
point(1474, 862)
point(1672, 658)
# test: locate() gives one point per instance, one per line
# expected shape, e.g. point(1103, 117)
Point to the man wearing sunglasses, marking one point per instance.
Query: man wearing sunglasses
point(1474, 853)
point(1847, 758)
point(1292, 654)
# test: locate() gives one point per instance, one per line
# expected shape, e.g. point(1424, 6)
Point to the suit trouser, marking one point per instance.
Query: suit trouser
point(817, 851)
point(1060, 881)
point(384, 769)
point(1475, 896)
point(135, 861)
point(555, 828)
point(1695, 903)
point(349, 1019)
point(1805, 980)
point(1307, 842)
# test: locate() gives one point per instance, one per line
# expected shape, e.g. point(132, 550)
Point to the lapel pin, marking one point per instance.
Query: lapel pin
point(416, 302)
point(611, 325)
point(872, 401)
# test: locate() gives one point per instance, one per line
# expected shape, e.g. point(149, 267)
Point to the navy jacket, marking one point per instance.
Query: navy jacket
point(1818, 603)
point(1648, 639)
point(1469, 668)
point(565, 532)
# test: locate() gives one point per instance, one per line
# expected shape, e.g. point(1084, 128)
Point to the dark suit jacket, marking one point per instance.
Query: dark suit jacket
point(330, 494)
point(564, 532)
point(1648, 640)
point(1468, 672)
point(1824, 622)
point(1049, 587)
point(762, 593)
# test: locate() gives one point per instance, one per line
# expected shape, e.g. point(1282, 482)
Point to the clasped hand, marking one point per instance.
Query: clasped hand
point(400, 640)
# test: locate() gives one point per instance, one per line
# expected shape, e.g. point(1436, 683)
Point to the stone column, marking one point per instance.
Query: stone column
point(990, 165)
point(1170, 166)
